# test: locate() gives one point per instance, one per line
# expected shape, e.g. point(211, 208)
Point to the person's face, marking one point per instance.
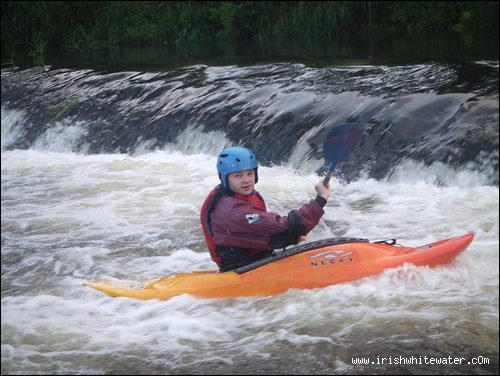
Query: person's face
point(242, 182)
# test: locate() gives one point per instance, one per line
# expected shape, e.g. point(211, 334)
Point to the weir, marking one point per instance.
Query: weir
point(426, 112)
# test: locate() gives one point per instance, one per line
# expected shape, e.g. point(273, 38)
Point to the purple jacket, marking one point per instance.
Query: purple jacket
point(243, 221)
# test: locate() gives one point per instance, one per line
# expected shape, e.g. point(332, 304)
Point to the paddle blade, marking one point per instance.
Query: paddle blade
point(340, 142)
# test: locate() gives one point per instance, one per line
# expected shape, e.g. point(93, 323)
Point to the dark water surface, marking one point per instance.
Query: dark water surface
point(430, 112)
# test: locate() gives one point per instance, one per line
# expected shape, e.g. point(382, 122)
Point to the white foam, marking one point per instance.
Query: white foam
point(67, 217)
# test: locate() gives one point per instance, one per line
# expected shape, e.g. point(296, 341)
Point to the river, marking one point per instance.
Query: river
point(104, 171)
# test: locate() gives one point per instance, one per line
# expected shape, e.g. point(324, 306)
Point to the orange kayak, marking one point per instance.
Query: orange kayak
point(317, 264)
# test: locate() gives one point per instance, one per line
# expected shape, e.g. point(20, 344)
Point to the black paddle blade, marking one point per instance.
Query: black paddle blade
point(340, 142)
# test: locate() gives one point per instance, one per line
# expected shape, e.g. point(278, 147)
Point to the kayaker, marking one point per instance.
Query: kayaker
point(238, 228)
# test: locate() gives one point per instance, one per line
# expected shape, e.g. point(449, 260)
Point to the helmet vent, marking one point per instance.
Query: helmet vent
point(238, 160)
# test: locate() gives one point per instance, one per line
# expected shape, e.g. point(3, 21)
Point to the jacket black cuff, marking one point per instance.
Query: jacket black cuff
point(320, 200)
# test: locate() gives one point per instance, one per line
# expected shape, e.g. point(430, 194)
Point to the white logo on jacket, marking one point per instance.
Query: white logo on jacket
point(251, 218)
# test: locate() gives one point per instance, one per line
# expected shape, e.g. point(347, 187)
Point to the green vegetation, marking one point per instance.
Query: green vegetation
point(80, 25)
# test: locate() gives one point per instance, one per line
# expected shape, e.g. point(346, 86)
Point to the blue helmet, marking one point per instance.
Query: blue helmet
point(233, 160)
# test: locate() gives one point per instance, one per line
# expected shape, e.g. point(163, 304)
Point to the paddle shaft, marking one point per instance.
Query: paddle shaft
point(326, 180)
point(328, 175)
